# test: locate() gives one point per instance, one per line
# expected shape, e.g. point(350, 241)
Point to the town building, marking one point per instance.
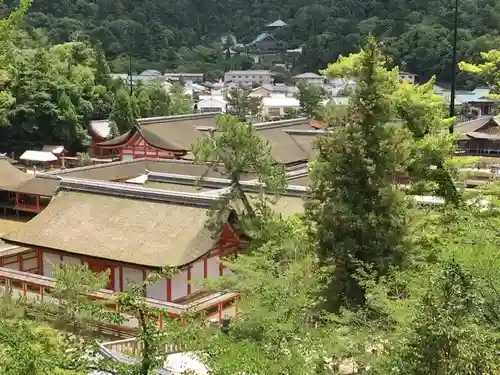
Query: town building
point(277, 88)
point(249, 77)
point(212, 104)
point(146, 77)
point(187, 77)
point(310, 79)
point(275, 107)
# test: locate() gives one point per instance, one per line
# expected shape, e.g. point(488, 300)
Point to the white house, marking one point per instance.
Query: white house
point(275, 106)
point(310, 79)
point(212, 104)
point(187, 77)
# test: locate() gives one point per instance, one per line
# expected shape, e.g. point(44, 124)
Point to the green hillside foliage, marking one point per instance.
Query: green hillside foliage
point(181, 34)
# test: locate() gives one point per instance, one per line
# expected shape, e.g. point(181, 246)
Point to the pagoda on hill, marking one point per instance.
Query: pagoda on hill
point(267, 46)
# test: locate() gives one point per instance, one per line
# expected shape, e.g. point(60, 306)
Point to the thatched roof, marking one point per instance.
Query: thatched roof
point(472, 129)
point(283, 147)
point(132, 225)
point(171, 133)
point(291, 201)
point(39, 185)
point(10, 176)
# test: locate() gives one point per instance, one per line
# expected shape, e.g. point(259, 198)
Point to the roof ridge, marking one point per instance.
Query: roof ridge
point(135, 192)
point(304, 131)
point(489, 117)
point(187, 179)
point(155, 120)
point(114, 163)
point(222, 183)
point(300, 172)
point(279, 124)
point(95, 166)
point(47, 176)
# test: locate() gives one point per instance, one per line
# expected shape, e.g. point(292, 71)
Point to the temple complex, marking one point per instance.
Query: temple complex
point(139, 215)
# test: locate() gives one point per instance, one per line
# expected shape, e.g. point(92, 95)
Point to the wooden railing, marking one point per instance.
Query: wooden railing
point(28, 207)
point(38, 287)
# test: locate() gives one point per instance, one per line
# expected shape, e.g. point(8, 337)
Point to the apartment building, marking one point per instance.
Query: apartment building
point(187, 77)
point(310, 79)
point(249, 77)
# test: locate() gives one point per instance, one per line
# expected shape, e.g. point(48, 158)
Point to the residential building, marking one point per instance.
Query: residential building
point(249, 77)
point(277, 88)
point(408, 77)
point(477, 101)
point(187, 77)
point(212, 104)
point(310, 79)
point(276, 106)
point(262, 91)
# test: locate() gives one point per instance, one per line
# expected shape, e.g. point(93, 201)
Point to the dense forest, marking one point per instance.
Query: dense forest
point(182, 34)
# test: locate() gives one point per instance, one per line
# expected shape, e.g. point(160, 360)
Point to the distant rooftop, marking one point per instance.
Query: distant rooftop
point(277, 23)
point(247, 72)
point(407, 73)
point(150, 72)
point(308, 75)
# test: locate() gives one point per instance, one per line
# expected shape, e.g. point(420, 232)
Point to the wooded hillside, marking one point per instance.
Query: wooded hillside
point(179, 34)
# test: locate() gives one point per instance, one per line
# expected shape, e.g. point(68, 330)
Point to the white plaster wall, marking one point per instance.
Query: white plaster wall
point(131, 274)
point(196, 276)
point(71, 260)
point(158, 290)
point(127, 157)
point(13, 266)
point(30, 264)
point(49, 261)
point(213, 268)
point(179, 284)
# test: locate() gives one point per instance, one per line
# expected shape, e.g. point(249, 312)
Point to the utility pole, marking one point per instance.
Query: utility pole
point(454, 66)
point(130, 74)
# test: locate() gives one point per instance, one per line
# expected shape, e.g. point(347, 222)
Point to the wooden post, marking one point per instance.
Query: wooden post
point(38, 203)
point(160, 320)
point(17, 205)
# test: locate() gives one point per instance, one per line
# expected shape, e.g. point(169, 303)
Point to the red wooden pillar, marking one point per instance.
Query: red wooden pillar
point(120, 276)
point(219, 311)
point(189, 280)
point(169, 289)
point(39, 261)
point(17, 199)
point(38, 203)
